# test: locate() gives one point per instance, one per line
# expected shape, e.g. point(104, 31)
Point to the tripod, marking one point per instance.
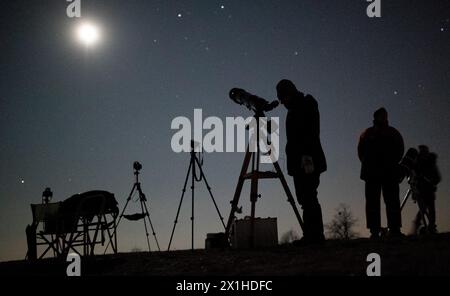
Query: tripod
point(193, 163)
point(413, 190)
point(144, 210)
point(254, 176)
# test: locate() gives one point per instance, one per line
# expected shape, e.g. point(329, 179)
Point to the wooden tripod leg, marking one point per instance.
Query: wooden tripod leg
point(237, 193)
point(288, 193)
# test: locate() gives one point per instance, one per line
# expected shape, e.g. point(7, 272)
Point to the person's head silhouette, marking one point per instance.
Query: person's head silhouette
point(380, 117)
point(286, 92)
point(423, 149)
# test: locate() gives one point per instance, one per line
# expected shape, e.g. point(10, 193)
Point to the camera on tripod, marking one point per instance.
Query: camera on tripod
point(252, 102)
point(137, 166)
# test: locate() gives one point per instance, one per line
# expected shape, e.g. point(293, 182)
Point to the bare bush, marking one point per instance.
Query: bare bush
point(288, 237)
point(341, 227)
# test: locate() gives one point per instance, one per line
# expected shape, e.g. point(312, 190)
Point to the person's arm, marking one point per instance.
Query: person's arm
point(362, 146)
point(311, 130)
point(399, 145)
point(435, 173)
point(313, 118)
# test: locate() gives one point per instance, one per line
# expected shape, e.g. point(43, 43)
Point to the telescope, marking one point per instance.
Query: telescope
point(252, 102)
point(408, 162)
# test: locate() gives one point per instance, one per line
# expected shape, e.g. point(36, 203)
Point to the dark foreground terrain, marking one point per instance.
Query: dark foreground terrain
point(406, 256)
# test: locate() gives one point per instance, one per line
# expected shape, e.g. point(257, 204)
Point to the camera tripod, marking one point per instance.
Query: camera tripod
point(254, 176)
point(144, 210)
point(412, 190)
point(193, 163)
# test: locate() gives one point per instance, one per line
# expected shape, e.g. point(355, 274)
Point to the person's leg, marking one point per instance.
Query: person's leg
point(417, 222)
point(429, 200)
point(391, 195)
point(422, 214)
point(306, 191)
point(373, 215)
point(31, 242)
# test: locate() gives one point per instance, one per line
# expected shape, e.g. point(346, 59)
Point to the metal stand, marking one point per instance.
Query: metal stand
point(254, 176)
point(409, 192)
point(144, 211)
point(90, 221)
point(194, 162)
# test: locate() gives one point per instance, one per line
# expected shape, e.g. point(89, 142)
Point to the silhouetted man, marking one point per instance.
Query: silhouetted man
point(380, 149)
point(305, 157)
point(426, 179)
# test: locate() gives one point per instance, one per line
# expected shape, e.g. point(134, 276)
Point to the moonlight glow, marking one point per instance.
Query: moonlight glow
point(88, 34)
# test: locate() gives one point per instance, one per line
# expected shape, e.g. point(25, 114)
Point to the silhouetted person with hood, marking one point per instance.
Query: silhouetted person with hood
point(305, 157)
point(426, 179)
point(380, 149)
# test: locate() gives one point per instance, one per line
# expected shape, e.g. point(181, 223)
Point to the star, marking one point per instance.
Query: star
point(222, 6)
point(395, 92)
point(296, 53)
point(22, 181)
point(179, 15)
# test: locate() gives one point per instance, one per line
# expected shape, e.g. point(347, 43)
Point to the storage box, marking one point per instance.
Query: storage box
point(216, 241)
point(266, 233)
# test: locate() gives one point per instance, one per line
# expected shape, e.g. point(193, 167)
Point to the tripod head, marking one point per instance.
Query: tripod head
point(137, 166)
point(194, 145)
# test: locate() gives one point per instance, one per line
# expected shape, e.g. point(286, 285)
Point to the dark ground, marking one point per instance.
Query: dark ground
point(406, 256)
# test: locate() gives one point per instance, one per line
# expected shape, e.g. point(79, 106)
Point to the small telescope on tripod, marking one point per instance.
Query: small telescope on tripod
point(408, 165)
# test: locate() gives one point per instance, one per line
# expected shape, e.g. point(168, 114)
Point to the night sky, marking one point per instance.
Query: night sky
point(74, 119)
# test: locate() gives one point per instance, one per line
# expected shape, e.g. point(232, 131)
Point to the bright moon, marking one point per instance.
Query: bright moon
point(88, 34)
